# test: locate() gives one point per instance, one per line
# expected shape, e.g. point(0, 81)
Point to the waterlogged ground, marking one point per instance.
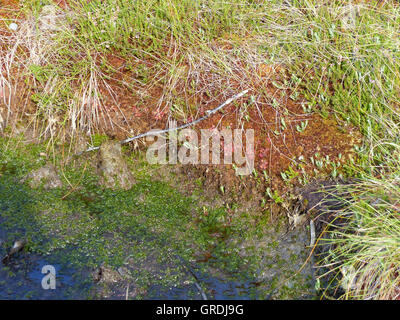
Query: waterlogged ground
point(151, 242)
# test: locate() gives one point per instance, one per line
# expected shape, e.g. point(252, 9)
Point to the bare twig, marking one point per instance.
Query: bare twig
point(193, 274)
point(156, 132)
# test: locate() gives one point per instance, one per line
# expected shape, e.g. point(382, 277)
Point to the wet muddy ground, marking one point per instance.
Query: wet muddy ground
point(274, 257)
point(22, 278)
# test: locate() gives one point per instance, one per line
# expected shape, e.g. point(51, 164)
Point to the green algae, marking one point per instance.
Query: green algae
point(152, 229)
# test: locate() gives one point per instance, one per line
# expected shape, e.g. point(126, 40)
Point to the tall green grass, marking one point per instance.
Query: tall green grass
point(72, 66)
point(363, 258)
point(149, 26)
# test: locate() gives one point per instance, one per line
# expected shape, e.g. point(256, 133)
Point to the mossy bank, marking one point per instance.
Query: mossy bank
point(149, 240)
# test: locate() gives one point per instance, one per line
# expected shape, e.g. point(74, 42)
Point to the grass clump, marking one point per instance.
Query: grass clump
point(65, 56)
point(364, 256)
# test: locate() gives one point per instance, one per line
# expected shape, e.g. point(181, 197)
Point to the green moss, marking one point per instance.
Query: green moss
point(152, 224)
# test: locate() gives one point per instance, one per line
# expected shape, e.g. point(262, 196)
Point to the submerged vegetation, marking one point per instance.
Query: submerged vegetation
point(324, 95)
point(152, 231)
